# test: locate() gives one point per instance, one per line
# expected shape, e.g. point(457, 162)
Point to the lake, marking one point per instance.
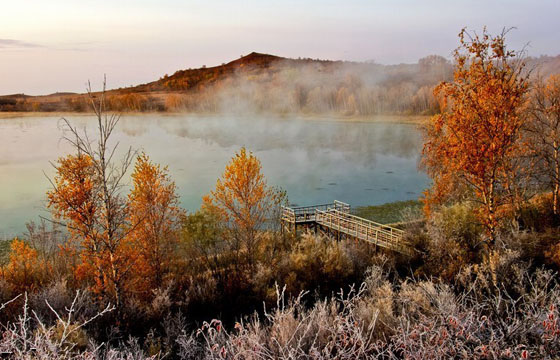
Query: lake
point(316, 161)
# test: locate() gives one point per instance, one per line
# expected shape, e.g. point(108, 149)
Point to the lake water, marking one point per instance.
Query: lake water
point(315, 161)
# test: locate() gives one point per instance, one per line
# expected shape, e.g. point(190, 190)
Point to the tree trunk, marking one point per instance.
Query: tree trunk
point(556, 181)
point(491, 217)
point(114, 273)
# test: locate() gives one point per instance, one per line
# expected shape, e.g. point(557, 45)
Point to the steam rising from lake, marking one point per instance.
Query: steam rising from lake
point(315, 161)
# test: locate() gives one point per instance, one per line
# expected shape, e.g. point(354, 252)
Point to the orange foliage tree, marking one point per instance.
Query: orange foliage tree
point(25, 270)
point(72, 198)
point(95, 221)
point(73, 191)
point(244, 201)
point(154, 208)
point(471, 145)
point(85, 195)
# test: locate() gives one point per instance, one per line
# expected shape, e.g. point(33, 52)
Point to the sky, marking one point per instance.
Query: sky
point(57, 45)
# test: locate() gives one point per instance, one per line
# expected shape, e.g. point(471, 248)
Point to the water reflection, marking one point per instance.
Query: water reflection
point(315, 161)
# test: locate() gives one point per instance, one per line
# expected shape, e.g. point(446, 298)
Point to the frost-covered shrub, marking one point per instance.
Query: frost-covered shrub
point(411, 320)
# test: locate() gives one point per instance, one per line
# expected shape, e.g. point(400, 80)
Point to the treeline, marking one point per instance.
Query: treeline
point(280, 86)
point(127, 102)
point(266, 84)
point(324, 88)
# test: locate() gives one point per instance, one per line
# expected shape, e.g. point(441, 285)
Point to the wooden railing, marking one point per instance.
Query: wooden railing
point(363, 229)
point(303, 214)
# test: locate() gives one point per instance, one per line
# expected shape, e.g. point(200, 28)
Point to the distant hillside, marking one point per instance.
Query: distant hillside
point(267, 83)
point(251, 64)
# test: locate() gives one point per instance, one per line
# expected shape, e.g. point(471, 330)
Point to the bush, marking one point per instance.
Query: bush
point(453, 234)
point(314, 263)
point(25, 269)
point(536, 214)
point(378, 320)
point(422, 320)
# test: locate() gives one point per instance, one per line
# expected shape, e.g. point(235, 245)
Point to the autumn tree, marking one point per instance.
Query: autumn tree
point(86, 197)
point(72, 199)
point(244, 201)
point(154, 208)
point(543, 134)
point(25, 269)
point(471, 145)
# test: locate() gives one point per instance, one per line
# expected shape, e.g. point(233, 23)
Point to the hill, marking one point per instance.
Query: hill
point(272, 84)
point(253, 63)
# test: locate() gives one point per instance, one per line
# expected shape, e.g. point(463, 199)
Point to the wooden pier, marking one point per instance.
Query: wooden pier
point(335, 220)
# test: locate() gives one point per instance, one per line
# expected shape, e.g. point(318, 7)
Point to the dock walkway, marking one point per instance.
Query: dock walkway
point(336, 220)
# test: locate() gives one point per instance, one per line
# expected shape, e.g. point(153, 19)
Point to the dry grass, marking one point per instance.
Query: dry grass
point(379, 320)
point(419, 320)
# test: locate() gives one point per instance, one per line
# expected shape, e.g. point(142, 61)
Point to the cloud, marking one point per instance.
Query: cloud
point(11, 44)
point(16, 44)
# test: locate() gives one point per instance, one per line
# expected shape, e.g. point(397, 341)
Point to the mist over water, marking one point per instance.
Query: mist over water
point(315, 161)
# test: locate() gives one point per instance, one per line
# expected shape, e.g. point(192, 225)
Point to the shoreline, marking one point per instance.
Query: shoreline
point(397, 119)
point(385, 213)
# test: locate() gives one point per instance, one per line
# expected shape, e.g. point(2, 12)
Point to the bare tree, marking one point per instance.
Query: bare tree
point(543, 134)
point(101, 227)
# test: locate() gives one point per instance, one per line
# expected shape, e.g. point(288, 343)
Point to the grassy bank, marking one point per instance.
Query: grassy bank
point(390, 212)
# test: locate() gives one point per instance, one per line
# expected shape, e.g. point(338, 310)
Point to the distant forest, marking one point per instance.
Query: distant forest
point(260, 83)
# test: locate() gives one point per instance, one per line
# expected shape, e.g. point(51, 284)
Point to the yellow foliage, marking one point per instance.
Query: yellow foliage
point(25, 270)
point(243, 200)
point(155, 216)
point(473, 143)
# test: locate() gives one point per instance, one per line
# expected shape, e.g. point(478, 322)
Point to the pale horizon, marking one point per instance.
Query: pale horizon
point(57, 46)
